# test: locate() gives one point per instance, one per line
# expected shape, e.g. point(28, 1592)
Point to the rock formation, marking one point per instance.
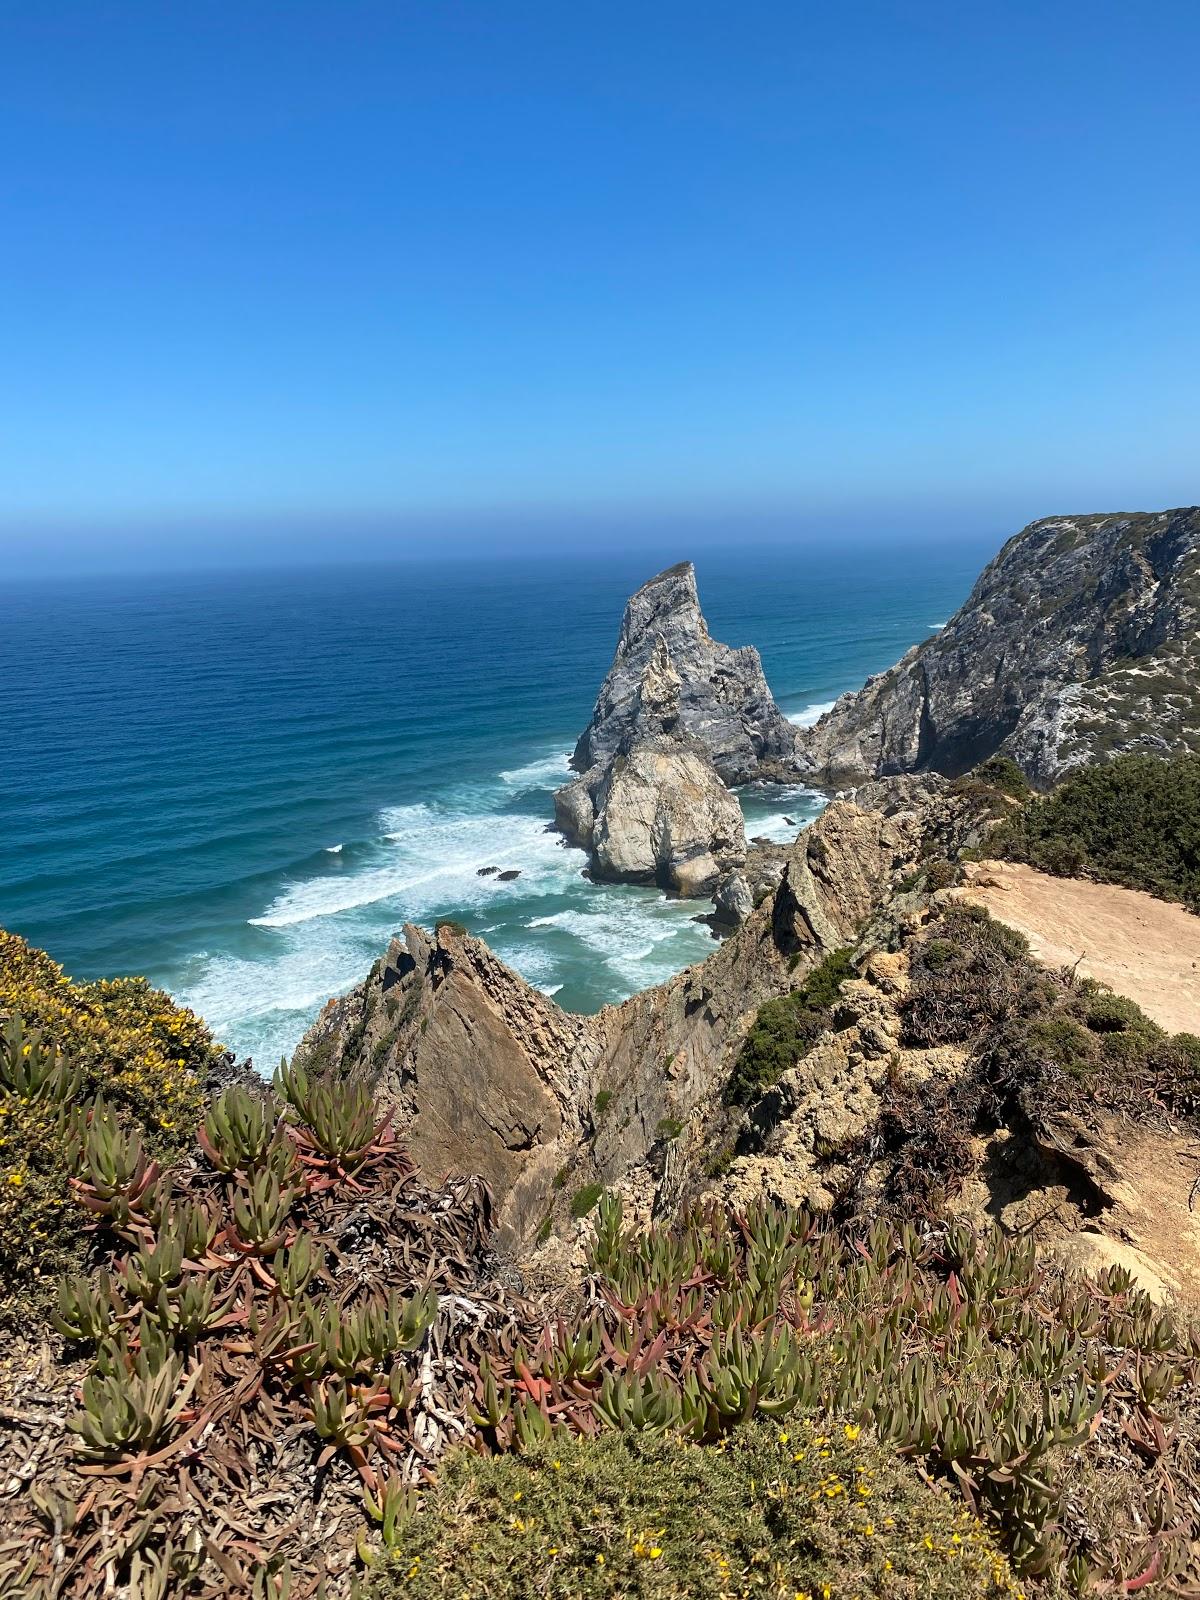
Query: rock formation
point(489, 1076)
point(1077, 642)
point(678, 718)
point(670, 676)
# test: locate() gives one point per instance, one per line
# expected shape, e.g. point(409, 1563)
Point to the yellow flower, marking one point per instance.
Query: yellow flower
point(852, 1431)
point(16, 1177)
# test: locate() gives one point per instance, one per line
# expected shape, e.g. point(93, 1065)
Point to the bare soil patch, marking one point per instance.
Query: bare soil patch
point(1146, 949)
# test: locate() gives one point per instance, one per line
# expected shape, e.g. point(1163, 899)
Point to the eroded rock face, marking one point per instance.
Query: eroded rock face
point(679, 717)
point(664, 816)
point(489, 1076)
point(1076, 642)
point(670, 676)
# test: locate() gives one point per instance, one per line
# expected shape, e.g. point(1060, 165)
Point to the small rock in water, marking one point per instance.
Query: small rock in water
point(486, 872)
point(507, 877)
point(791, 822)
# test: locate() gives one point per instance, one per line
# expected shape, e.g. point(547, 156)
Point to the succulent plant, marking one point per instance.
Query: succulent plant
point(338, 1121)
point(118, 1176)
point(393, 1507)
point(87, 1308)
point(238, 1130)
point(32, 1068)
point(127, 1412)
point(261, 1208)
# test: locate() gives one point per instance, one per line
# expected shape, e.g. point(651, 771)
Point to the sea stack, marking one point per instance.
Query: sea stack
point(678, 719)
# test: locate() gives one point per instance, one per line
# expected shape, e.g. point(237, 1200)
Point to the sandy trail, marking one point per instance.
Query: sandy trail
point(1141, 947)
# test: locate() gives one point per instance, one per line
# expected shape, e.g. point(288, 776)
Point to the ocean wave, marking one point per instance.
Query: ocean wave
point(811, 714)
point(333, 849)
point(432, 858)
point(546, 773)
point(936, 626)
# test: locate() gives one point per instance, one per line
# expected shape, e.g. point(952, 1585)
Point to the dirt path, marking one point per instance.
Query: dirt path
point(1141, 947)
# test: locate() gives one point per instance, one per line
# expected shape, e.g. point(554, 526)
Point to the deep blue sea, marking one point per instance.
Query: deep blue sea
point(241, 785)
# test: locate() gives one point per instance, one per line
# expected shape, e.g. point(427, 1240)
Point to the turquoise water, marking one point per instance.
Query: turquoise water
point(242, 785)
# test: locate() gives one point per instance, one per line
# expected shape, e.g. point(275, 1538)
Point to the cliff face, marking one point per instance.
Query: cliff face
point(489, 1076)
point(1077, 641)
point(678, 718)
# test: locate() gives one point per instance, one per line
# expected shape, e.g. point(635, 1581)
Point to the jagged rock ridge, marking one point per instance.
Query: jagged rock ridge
point(487, 1075)
point(1077, 641)
point(669, 675)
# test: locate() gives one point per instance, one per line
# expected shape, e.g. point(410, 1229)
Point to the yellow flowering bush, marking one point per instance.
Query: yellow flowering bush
point(808, 1512)
point(131, 1044)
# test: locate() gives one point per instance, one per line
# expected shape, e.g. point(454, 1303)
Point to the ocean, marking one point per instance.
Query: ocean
point(243, 784)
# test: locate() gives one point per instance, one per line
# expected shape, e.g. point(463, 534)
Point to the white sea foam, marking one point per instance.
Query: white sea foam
point(936, 626)
point(321, 931)
point(811, 714)
point(549, 989)
point(428, 855)
point(546, 773)
point(333, 849)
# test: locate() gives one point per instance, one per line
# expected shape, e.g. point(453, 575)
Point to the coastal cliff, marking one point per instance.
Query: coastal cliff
point(1077, 642)
point(489, 1075)
point(679, 717)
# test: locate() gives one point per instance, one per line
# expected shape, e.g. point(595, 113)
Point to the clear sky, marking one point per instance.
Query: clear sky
point(303, 275)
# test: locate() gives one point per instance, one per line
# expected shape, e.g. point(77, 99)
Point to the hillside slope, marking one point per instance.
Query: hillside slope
point(1077, 641)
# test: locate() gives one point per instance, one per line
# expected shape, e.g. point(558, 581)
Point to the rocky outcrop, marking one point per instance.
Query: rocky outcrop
point(670, 676)
point(1077, 641)
point(663, 816)
point(487, 1075)
point(679, 717)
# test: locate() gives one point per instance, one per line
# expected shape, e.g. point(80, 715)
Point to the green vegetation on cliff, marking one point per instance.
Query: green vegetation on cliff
point(121, 1039)
point(785, 1029)
point(1133, 821)
point(781, 1511)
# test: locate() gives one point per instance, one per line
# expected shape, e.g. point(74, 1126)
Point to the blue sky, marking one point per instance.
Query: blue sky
point(305, 275)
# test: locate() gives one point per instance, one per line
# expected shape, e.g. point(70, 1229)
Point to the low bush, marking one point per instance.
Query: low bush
point(970, 973)
point(785, 1029)
point(1133, 821)
point(781, 1512)
point(120, 1038)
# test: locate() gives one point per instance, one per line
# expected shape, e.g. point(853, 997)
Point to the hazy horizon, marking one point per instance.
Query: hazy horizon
point(320, 281)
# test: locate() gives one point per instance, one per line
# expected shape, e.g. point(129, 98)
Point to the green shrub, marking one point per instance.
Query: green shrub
point(1002, 773)
point(584, 1200)
point(603, 1101)
point(779, 1512)
point(124, 1040)
point(449, 925)
point(940, 874)
point(785, 1029)
point(668, 1128)
point(969, 973)
point(1133, 821)
point(1064, 1043)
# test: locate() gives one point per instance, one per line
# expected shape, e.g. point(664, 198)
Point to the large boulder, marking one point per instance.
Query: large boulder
point(664, 816)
